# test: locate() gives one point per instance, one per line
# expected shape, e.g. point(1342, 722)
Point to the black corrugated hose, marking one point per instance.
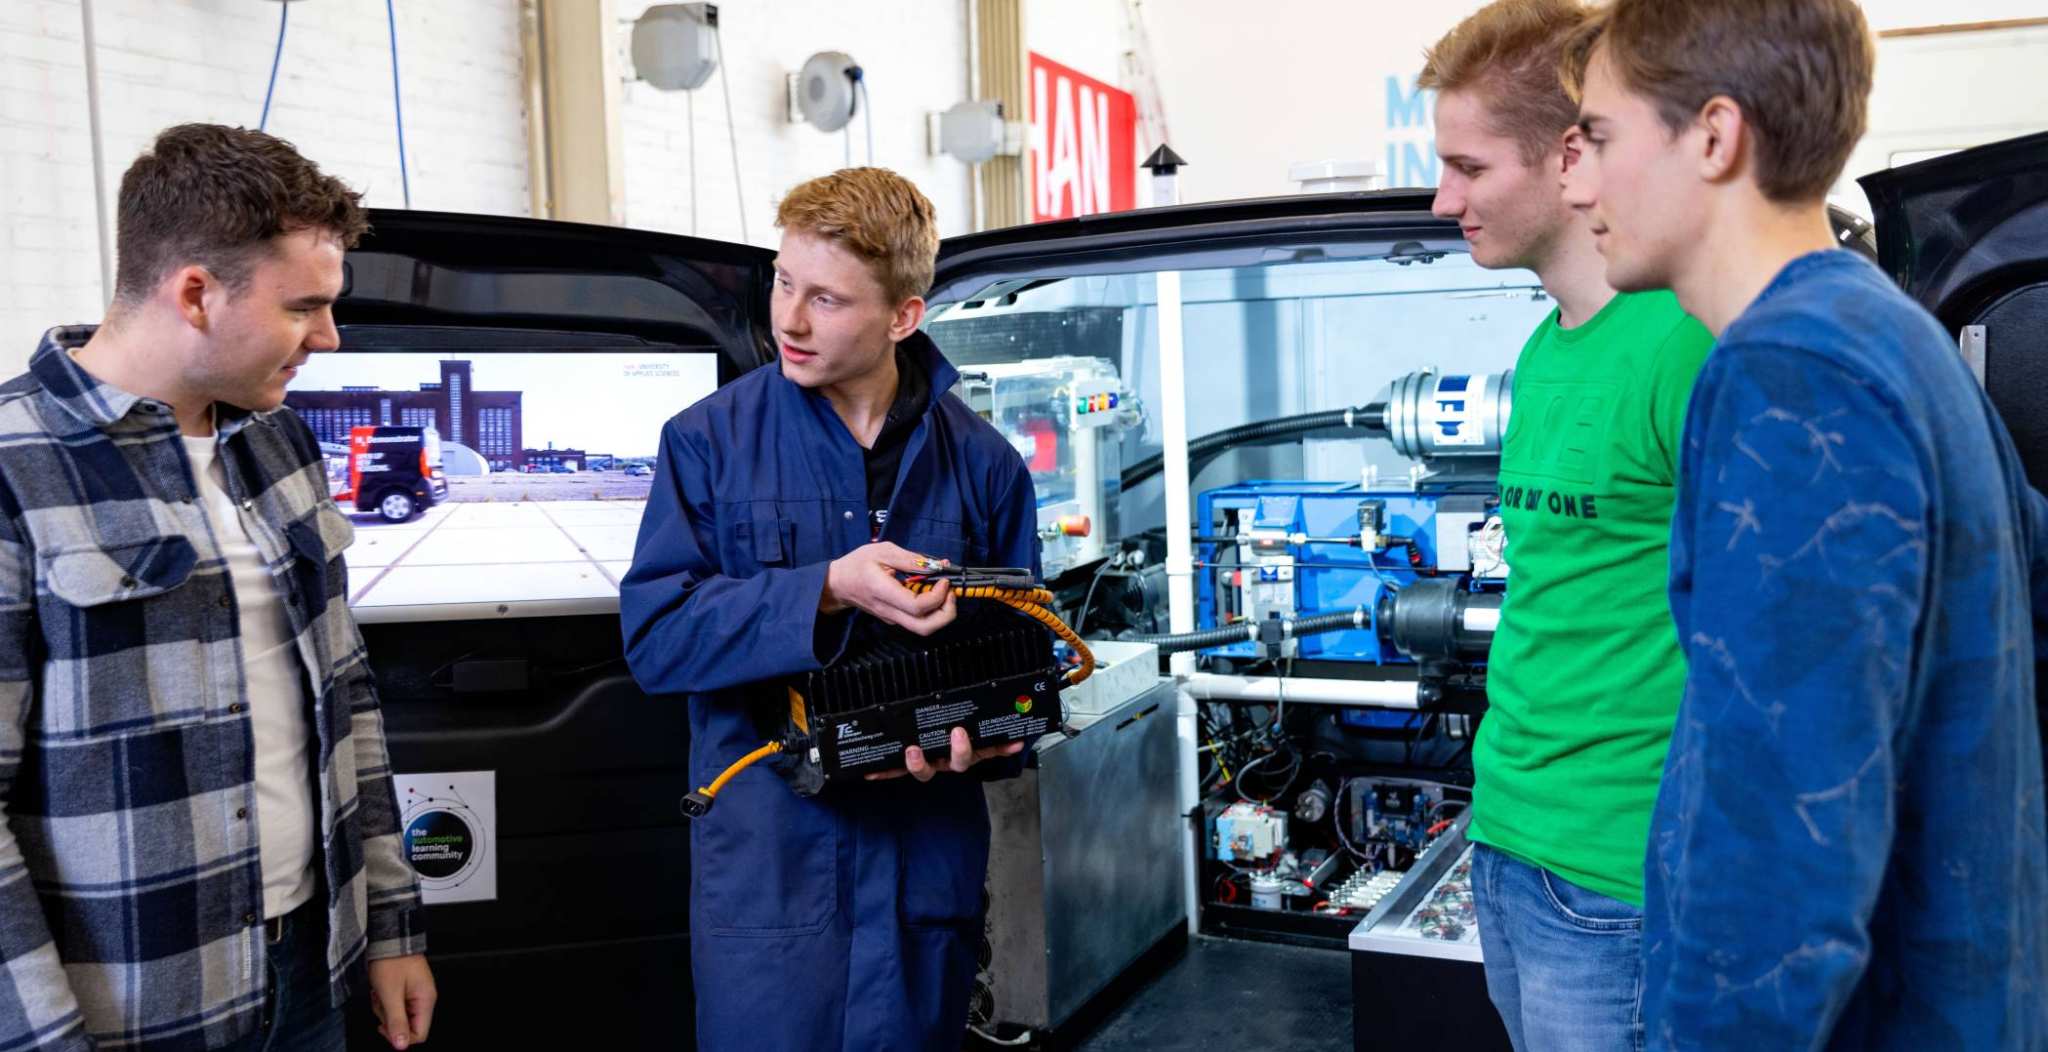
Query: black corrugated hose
point(1249, 631)
point(1370, 418)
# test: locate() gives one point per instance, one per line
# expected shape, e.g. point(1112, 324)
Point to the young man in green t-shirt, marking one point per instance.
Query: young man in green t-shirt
point(1585, 673)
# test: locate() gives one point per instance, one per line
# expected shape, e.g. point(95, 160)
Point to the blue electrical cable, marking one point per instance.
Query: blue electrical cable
point(397, 105)
point(284, 16)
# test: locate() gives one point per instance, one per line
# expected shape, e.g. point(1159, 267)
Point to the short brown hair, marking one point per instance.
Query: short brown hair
point(1800, 70)
point(215, 196)
point(875, 214)
point(1508, 53)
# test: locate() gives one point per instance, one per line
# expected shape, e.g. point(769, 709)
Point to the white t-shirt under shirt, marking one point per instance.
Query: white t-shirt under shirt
point(276, 697)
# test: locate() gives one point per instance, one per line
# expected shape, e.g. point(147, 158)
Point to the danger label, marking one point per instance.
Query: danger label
point(943, 717)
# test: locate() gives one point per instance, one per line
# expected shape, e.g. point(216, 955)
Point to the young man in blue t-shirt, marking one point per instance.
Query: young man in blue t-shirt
point(1848, 847)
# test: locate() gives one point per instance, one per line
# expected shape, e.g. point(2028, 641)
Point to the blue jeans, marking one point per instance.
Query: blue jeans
point(297, 1013)
point(1563, 964)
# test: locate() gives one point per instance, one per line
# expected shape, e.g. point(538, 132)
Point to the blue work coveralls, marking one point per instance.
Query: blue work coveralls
point(849, 920)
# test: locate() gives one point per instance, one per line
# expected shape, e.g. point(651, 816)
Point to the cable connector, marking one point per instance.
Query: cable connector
point(1274, 634)
point(935, 571)
point(698, 804)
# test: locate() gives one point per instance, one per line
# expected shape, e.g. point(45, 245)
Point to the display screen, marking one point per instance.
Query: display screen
point(492, 484)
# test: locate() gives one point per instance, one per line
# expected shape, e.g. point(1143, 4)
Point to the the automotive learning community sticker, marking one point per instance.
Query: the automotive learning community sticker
point(450, 821)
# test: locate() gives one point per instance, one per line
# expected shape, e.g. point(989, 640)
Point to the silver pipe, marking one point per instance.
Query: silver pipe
point(99, 163)
point(971, 10)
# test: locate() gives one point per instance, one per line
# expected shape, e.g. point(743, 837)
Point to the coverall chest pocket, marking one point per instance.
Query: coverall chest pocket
point(942, 539)
point(759, 537)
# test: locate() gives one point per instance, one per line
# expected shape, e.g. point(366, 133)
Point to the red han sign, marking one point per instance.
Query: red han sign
point(1084, 141)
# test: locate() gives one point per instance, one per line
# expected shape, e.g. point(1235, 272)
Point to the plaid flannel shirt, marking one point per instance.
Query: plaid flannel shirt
point(131, 893)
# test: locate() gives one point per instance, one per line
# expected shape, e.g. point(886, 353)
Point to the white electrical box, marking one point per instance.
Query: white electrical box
point(1248, 832)
point(1122, 672)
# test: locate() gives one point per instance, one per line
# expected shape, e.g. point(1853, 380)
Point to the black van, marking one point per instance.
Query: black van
point(394, 471)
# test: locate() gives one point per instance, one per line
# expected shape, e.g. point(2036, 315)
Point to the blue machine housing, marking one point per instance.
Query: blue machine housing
point(1328, 577)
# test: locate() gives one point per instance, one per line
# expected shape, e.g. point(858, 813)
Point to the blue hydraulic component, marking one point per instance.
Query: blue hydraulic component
point(1378, 719)
point(1292, 549)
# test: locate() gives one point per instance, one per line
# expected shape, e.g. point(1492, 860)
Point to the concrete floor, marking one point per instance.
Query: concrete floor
point(1232, 995)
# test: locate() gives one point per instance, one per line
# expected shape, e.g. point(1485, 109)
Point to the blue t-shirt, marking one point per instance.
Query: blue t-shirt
point(1849, 849)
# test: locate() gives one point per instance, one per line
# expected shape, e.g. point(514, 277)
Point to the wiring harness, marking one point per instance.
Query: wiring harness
point(1015, 589)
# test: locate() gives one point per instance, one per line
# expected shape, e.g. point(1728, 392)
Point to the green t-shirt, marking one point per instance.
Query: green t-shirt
point(1585, 673)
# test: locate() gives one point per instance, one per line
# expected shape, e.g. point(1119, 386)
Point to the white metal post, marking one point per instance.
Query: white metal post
point(1180, 571)
point(1180, 555)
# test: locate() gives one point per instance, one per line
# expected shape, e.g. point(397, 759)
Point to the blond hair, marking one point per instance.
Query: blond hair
point(875, 214)
point(1507, 53)
point(1800, 70)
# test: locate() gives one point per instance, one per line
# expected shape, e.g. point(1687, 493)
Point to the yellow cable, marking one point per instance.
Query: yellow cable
point(742, 764)
point(1032, 603)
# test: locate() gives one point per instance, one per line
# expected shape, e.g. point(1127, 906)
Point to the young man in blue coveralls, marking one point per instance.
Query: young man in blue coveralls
point(784, 507)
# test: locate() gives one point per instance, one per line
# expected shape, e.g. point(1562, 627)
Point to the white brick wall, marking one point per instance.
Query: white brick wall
point(163, 62)
point(1050, 29)
point(1948, 92)
point(915, 59)
point(1250, 92)
point(167, 61)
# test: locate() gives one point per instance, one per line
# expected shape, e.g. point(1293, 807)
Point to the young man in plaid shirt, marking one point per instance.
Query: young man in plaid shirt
point(200, 848)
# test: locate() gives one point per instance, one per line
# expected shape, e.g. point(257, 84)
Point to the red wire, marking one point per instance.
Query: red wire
point(1441, 826)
